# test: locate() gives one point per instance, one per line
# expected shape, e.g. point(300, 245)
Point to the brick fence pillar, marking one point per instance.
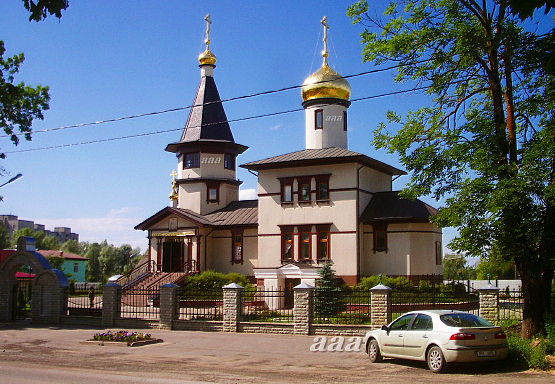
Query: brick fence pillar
point(380, 305)
point(489, 303)
point(232, 307)
point(303, 309)
point(168, 305)
point(111, 304)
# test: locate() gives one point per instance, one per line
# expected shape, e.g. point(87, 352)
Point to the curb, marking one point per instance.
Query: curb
point(139, 343)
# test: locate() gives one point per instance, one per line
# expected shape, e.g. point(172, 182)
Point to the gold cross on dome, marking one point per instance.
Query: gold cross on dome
point(173, 174)
point(208, 22)
point(325, 53)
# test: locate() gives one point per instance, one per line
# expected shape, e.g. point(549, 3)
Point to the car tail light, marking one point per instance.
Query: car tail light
point(500, 335)
point(463, 336)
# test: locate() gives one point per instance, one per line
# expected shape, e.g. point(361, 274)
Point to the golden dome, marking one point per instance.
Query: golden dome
point(325, 83)
point(207, 57)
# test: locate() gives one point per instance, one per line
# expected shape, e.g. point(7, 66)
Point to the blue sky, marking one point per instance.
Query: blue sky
point(107, 59)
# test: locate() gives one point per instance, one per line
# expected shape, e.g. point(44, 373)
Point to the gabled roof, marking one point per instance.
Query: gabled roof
point(65, 255)
point(237, 213)
point(319, 157)
point(390, 207)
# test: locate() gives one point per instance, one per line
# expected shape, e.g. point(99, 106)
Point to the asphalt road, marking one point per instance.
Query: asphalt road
point(50, 355)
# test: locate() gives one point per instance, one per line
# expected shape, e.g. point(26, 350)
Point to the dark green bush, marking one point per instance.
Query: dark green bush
point(209, 280)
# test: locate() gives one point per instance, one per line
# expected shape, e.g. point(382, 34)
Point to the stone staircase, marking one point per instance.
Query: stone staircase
point(146, 290)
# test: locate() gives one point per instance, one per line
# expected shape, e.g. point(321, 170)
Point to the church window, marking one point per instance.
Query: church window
point(323, 245)
point(212, 192)
point(304, 189)
point(322, 187)
point(380, 237)
point(286, 190)
point(287, 244)
point(229, 161)
point(438, 253)
point(345, 121)
point(305, 246)
point(191, 160)
point(319, 119)
point(237, 246)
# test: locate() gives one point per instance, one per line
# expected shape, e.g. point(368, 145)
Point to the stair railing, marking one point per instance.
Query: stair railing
point(137, 273)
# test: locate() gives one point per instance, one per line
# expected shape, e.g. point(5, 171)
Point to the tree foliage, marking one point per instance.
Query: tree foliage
point(40, 9)
point(455, 267)
point(20, 104)
point(486, 141)
point(328, 295)
point(42, 241)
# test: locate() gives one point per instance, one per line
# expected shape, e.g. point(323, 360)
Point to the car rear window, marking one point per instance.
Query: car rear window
point(463, 320)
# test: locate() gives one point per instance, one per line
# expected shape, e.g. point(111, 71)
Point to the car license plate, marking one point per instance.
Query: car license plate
point(485, 353)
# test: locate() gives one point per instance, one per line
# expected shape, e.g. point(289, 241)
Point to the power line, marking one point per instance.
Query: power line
point(215, 123)
point(176, 109)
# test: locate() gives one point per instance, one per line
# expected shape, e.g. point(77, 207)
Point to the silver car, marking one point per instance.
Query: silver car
point(438, 337)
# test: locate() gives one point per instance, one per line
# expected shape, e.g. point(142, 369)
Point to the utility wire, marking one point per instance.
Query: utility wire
point(215, 123)
point(243, 97)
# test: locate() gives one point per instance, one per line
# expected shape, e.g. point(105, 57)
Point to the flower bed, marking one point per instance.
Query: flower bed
point(127, 337)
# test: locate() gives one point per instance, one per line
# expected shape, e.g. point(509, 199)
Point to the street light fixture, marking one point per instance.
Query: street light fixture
point(12, 179)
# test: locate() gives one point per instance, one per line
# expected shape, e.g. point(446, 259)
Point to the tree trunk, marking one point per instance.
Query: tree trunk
point(534, 310)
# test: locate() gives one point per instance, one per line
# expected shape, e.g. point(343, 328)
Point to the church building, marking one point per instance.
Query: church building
point(321, 204)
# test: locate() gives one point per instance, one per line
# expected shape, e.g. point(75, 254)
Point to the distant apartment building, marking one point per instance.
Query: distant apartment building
point(12, 223)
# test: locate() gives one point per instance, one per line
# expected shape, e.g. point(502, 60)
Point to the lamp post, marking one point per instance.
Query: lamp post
point(12, 179)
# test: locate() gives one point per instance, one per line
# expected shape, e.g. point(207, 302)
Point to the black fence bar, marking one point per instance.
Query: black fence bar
point(85, 302)
point(338, 306)
point(433, 295)
point(140, 303)
point(510, 304)
point(200, 304)
point(267, 305)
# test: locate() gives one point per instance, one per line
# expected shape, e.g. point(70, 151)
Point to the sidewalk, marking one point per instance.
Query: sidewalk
point(217, 358)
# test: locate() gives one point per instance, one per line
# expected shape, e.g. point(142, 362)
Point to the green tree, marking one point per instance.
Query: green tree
point(41, 8)
point(41, 240)
point(496, 266)
point(73, 246)
point(92, 253)
point(4, 237)
point(20, 104)
point(55, 261)
point(486, 141)
point(455, 267)
point(328, 295)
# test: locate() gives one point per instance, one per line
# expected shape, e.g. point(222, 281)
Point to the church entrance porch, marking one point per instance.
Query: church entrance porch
point(175, 254)
point(289, 293)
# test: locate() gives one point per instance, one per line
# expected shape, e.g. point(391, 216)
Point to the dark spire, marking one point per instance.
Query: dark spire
point(207, 120)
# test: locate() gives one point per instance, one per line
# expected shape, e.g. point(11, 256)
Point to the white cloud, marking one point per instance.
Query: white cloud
point(248, 194)
point(114, 227)
point(276, 127)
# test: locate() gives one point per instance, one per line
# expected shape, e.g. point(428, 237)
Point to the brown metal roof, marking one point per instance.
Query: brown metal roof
point(319, 157)
point(243, 212)
point(390, 207)
point(238, 213)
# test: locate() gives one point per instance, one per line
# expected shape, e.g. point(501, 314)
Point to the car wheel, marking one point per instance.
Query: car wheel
point(435, 359)
point(373, 350)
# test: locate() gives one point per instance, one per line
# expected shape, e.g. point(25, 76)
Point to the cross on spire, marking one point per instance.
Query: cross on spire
point(207, 39)
point(325, 53)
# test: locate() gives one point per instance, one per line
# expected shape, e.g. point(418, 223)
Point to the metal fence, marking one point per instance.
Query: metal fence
point(200, 304)
point(84, 302)
point(336, 306)
point(267, 305)
point(433, 295)
point(140, 303)
point(510, 304)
